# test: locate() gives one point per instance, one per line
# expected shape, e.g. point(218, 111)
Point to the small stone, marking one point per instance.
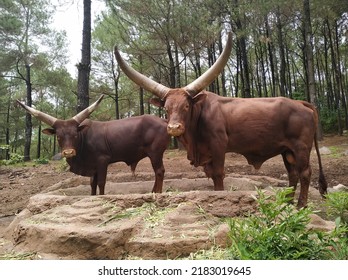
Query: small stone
point(340, 188)
point(324, 151)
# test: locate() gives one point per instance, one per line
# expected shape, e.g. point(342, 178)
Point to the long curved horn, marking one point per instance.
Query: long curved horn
point(80, 117)
point(156, 88)
point(47, 119)
point(210, 75)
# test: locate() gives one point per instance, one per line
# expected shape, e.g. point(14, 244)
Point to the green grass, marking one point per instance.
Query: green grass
point(18, 256)
point(153, 215)
point(336, 152)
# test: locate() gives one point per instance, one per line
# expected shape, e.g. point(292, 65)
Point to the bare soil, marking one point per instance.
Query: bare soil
point(18, 184)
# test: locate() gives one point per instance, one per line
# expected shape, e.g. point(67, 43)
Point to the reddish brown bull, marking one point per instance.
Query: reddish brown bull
point(90, 146)
point(209, 125)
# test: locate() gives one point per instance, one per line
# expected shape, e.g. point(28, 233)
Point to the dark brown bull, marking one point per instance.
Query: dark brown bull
point(90, 146)
point(209, 125)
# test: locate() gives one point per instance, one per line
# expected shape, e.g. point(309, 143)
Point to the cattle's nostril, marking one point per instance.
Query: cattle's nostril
point(175, 129)
point(68, 153)
point(174, 126)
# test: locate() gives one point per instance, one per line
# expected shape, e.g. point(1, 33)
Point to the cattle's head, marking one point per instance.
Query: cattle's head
point(179, 103)
point(66, 130)
point(181, 107)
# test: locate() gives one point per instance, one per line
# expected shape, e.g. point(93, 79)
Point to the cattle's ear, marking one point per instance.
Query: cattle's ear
point(82, 127)
point(49, 131)
point(157, 102)
point(199, 98)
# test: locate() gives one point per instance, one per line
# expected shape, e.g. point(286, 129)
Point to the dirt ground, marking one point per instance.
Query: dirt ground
point(18, 184)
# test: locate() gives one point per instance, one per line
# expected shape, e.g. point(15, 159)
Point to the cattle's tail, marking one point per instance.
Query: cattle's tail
point(322, 180)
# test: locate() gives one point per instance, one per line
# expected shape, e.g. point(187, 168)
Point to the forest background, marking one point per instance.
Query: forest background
point(297, 49)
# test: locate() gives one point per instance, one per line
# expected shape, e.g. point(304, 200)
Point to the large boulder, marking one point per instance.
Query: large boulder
point(148, 226)
point(66, 222)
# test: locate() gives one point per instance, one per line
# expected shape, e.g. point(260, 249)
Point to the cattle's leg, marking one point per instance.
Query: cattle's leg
point(102, 171)
point(305, 172)
point(289, 162)
point(158, 168)
point(218, 182)
point(305, 177)
point(94, 183)
point(215, 170)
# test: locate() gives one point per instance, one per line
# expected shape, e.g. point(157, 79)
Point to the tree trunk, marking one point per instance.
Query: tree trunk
point(116, 78)
point(197, 65)
point(38, 150)
point(238, 70)
point(141, 90)
point(171, 66)
point(272, 61)
point(338, 75)
point(289, 81)
point(28, 120)
point(257, 78)
point(263, 70)
point(177, 68)
point(309, 60)
point(336, 82)
point(84, 66)
point(211, 60)
point(241, 41)
point(308, 51)
point(7, 137)
point(223, 78)
point(329, 87)
point(282, 80)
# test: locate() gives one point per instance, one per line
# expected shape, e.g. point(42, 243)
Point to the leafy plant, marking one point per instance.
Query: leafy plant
point(328, 119)
point(337, 205)
point(337, 241)
point(14, 159)
point(279, 231)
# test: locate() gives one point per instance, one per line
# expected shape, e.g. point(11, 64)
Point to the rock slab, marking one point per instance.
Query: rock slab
point(147, 226)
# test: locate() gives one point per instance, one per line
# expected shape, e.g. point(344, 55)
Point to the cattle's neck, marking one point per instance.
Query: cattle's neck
point(192, 139)
point(185, 122)
point(81, 163)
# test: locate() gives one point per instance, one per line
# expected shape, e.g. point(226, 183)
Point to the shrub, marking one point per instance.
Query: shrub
point(328, 119)
point(279, 231)
point(337, 206)
point(14, 159)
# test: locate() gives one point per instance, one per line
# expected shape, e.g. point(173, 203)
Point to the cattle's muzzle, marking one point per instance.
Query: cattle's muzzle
point(68, 153)
point(175, 129)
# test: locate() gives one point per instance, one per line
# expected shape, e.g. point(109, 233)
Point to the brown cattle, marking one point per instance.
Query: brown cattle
point(90, 146)
point(209, 125)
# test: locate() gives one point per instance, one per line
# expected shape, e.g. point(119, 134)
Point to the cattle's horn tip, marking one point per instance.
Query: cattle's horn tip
point(21, 103)
point(116, 51)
